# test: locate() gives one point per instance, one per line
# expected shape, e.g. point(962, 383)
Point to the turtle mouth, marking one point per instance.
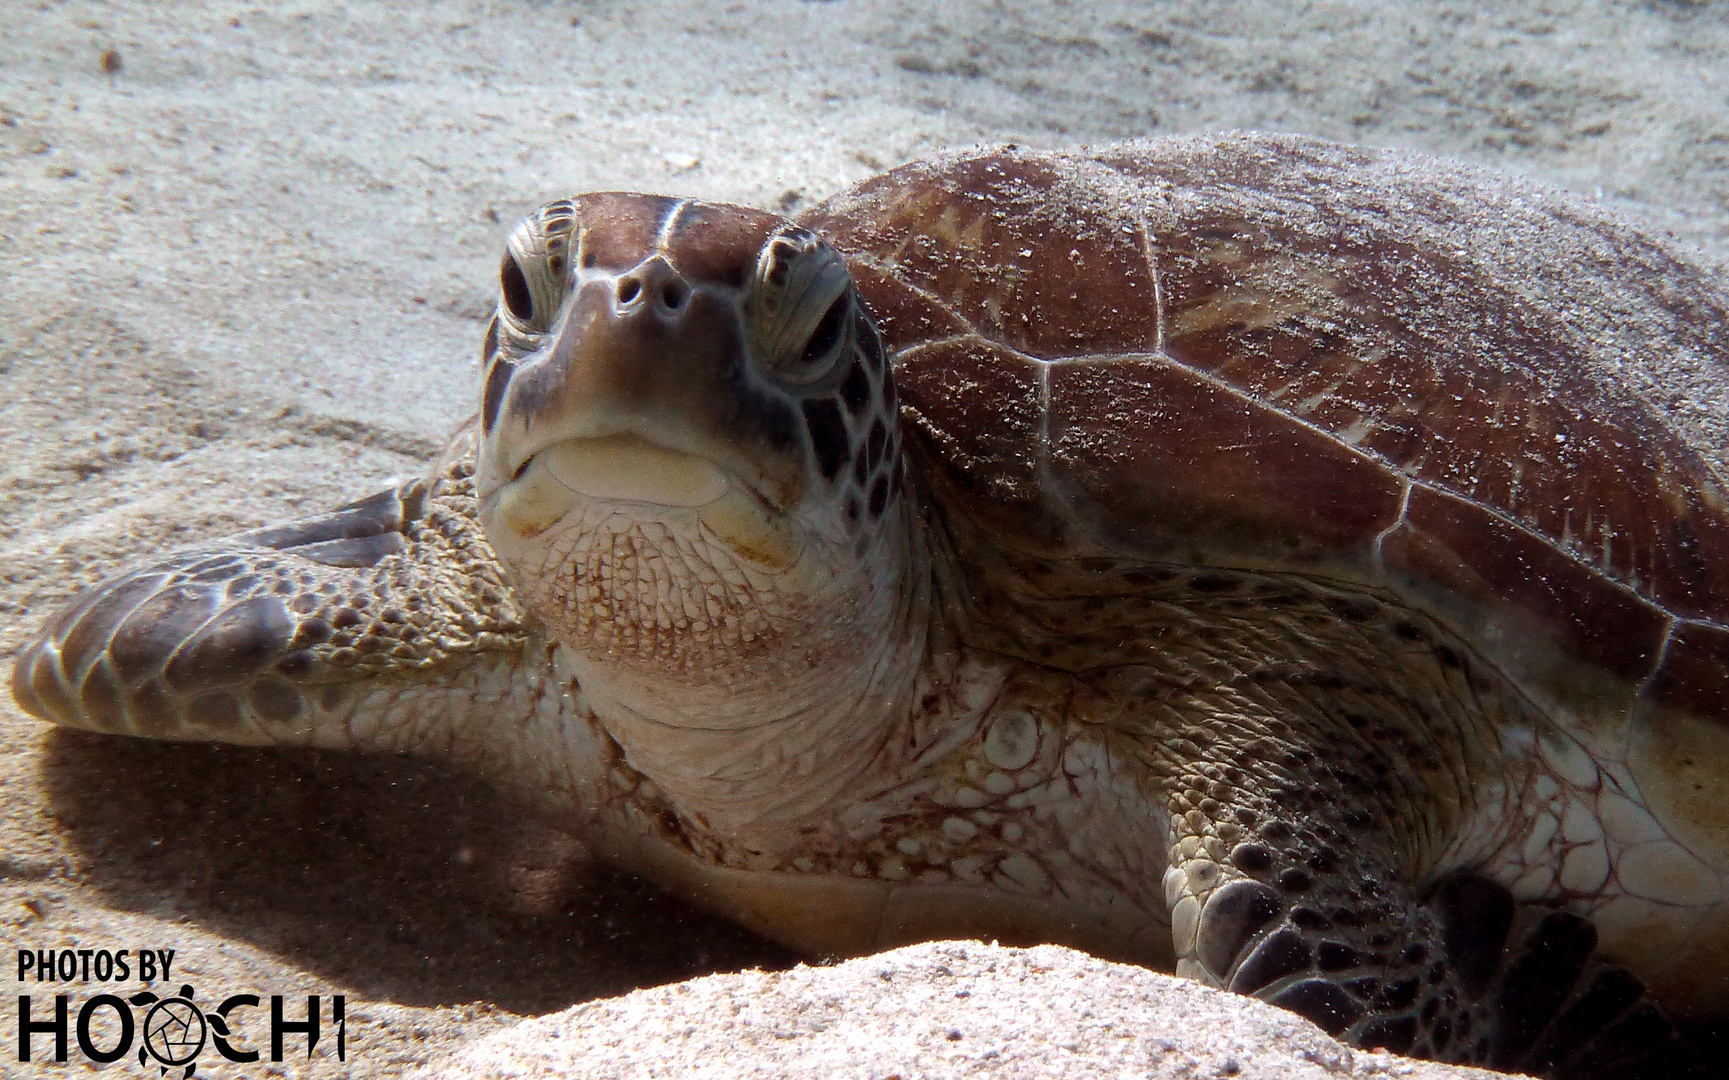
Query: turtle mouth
point(627, 470)
point(630, 468)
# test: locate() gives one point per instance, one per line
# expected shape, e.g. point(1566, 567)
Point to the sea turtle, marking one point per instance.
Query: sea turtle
point(1302, 566)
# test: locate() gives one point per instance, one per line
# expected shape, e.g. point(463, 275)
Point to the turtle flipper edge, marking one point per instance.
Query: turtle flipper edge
point(1462, 974)
point(312, 632)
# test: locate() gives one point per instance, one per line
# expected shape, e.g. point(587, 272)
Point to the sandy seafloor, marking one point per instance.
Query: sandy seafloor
point(246, 273)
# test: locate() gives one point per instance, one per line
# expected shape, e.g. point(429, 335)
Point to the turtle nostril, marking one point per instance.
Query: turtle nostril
point(673, 295)
point(628, 289)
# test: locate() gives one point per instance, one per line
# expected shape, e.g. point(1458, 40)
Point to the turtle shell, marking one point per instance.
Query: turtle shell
point(1491, 402)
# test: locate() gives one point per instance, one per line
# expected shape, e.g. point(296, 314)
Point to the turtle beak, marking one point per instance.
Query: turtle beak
point(633, 399)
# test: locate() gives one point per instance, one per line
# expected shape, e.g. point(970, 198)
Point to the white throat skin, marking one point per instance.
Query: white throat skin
point(750, 693)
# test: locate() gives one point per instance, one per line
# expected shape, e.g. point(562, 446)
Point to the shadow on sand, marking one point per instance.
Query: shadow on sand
point(397, 877)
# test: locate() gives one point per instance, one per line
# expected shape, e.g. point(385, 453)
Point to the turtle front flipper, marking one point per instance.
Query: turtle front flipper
point(382, 624)
point(1553, 1007)
point(1308, 910)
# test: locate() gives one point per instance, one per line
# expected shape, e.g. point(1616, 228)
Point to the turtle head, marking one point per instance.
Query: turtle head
point(672, 355)
point(690, 457)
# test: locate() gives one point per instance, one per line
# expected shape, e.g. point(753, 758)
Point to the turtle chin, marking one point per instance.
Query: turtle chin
point(640, 479)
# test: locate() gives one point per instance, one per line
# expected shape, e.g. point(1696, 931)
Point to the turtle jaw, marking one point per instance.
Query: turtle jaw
point(565, 481)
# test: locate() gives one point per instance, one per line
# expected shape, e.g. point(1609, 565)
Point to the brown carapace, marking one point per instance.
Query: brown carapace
point(1300, 565)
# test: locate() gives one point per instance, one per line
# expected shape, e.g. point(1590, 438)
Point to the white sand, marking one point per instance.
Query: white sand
point(938, 1011)
point(247, 272)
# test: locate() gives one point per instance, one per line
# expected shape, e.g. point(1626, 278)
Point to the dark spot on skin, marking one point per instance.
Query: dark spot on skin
point(779, 262)
point(1443, 1033)
point(1351, 610)
point(1323, 1003)
point(1233, 915)
point(856, 390)
point(1392, 1033)
point(1252, 858)
point(852, 509)
point(861, 467)
point(828, 437)
point(889, 396)
point(310, 632)
point(514, 285)
point(296, 665)
point(875, 443)
point(1398, 995)
point(1283, 953)
point(879, 496)
point(1415, 953)
point(1408, 631)
point(1295, 881)
point(1336, 956)
point(1215, 583)
point(1448, 656)
point(1476, 915)
point(1309, 919)
point(870, 343)
point(496, 380)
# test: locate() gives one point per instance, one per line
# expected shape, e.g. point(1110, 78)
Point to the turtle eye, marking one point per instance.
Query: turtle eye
point(517, 299)
point(801, 306)
point(819, 353)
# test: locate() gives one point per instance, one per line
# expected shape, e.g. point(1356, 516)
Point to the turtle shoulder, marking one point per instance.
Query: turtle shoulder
point(1496, 402)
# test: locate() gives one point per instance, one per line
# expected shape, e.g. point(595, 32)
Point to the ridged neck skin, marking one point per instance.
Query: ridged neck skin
point(750, 696)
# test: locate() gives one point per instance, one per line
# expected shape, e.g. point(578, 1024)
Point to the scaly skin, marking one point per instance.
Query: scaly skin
point(698, 603)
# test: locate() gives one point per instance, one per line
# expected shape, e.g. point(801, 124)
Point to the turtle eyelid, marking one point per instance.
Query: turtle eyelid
point(517, 299)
